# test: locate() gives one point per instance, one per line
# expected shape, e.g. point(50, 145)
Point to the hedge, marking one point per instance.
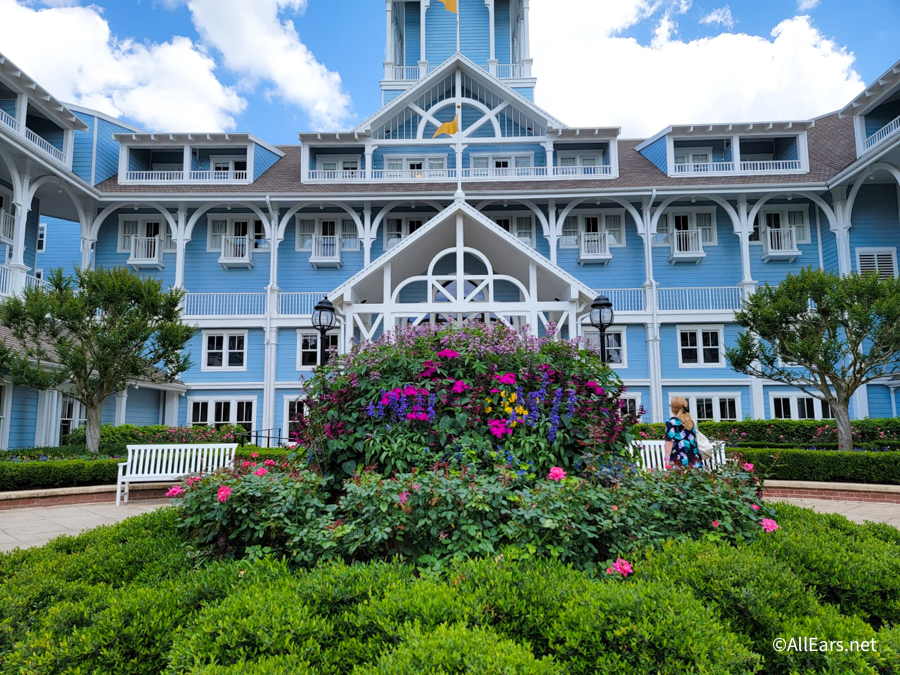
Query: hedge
point(823, 465)
point(789, 431)
point(34, 474)
point(882, 446)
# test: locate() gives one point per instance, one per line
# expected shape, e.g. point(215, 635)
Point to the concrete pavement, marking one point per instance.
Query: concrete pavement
point(858, 512)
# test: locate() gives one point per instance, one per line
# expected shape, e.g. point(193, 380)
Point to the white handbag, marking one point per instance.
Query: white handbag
point(704, 445)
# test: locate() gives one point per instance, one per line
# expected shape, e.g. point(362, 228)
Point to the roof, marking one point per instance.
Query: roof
point(875, 93)
point(198, 138)
point(104, 116)
point(729, 129)
point(832, 148)
point(41, 97)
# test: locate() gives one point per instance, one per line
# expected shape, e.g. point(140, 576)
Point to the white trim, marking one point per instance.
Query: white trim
point(623, 332)
point(225, 334)
point(165, 232)
point(782, 210)
point(6, 413)
point(41, 243)
point(698, 330)
point(794, 396)
point(303, 332)
point(716, 397)
point(234, 400)
point(691, 212)
point(602, 214)
point(338, 218)
point(877, 250)
point(261, 245)
point(513, 216)
point(287, 399)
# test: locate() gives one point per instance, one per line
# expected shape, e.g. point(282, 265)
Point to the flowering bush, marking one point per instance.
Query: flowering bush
point(119, 437)
point(478, 394)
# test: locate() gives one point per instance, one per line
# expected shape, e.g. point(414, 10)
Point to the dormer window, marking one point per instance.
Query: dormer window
point(401, 168)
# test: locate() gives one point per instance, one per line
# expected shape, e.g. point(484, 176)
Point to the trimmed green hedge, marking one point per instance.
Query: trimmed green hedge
point(883, 446)
point(789, 431)
point(34, 474)
point(823, 465)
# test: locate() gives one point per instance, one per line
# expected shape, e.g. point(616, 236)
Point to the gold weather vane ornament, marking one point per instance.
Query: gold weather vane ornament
point(450, 5)
point(450, 128)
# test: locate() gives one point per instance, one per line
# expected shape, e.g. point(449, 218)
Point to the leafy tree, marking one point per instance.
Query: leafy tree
point(823, 333)
point(92, 335)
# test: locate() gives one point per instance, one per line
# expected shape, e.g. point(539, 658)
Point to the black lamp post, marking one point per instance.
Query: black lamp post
point(601, 319)
point(323, 320)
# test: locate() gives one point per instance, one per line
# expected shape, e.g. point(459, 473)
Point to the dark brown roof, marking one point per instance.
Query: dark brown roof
point(832, 147)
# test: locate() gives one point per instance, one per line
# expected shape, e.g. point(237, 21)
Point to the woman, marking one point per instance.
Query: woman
point(681, 436)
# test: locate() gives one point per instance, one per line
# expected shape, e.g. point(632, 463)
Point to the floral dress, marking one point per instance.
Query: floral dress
point(684, 444)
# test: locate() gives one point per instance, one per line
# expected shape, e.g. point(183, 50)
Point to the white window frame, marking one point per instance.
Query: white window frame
point(782, 210)
point(637, 403)
point(691, 212)
point(407, 159)
point(338, 219)
point(339, 162)
point(225, 334)
point(699, 330)
point(602, 215)
point(689, 153)
point(794, 398)
point(877, 250)
point(716, 397)
point(230, 220)
point(579, 157)
point(304, 332)
point(212, 400)
point(492, 157)
point(6, 392)
point(41, 244)
point(588, 331)
point(231, 159)
point(513, 217)
point(404, 227)
point(79, 415)
point(286, 412)
point(39, 273)
point(142, 220)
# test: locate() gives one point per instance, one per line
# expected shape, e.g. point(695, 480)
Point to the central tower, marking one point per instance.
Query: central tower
point(421, 35)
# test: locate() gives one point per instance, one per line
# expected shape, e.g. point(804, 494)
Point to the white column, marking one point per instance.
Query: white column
point(549, 149)
point(657, 405)
point(304, 163)
point(736, 152)
point(121, 407)
point(269, 384)
point(368, 235)
point(526, 32)
point(370, 160)
point(893, 391)
point(389, 43)
point(861, 402)
point(181, 241)
point(554, 230)
point(492, 61)
point(170, 411)
point(423, 58)
point(123, 161)
point(757, 399)
point(46, 426)
point(17, 263)
point(87, 245)
point(21, 111)
point(745, 227)
point(68, 146)
point(186, 162)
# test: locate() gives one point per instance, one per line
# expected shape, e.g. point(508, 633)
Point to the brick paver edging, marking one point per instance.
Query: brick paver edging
point(92, 494)
point(851, 492)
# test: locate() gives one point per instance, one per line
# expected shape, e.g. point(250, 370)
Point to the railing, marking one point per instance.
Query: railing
point(342, 175)
point(414, 174)
point(225, 304)
point(509, 172)
point(781, 239)
point(213, 176)
point(882, 134)
point(582, 171)
point(704, 167)
point(32, 281)
point(594, 243)
point(45, 146)
point(686, 241)
point(724, 298)
point(505, 71)
point(9, 121)
point(772, 166)
point(7, 226)
point(6, 280)
point(625, 299)
point(154, 176)
point(509, 71)
point(236, 248)
point(485, 173)
point(145, 249)
point(297, 304)
point(406, 72)
point(325, 247)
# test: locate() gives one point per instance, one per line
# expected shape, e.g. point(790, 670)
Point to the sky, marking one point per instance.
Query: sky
point(277, 67)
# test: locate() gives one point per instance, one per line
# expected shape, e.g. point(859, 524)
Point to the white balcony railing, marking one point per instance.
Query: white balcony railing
point(514, 173)
point(7, 227)
point(884, 133)
point(9, 121)
point(337, 176)
point(505, 71)
point(625, 299)
point(32, 281)
point(236, 248)
point(6, 280)
point(594, 244)
point(510, 71)
point(406, 72)
point(686, 242)
point(216, 176)
point(45, 146)
point(771, 166)
point(582, 171)
point(146, 252)
point(704, 168)
point(782, 239)
point(297, 304)
point(722, 298)
point(154, 176)
point(325, 247)
point(468, 174)
point(225, 304)
point(413, 174)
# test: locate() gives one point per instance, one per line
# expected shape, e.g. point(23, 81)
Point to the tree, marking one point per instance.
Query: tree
point(825, 334)
point(92, 335)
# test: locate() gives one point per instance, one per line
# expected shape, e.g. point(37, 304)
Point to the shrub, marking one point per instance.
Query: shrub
point(822, 465)
point(458, 649)
point(34, 475)
point(804, 432)
point(117, 437)
point(424, 394)
point(274, 665)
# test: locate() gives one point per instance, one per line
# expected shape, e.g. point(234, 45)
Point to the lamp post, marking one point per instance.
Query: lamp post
point(602, 318)
point(323, 320)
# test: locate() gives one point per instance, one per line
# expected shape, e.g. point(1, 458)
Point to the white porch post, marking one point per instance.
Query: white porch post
point(533, 297)
point(387, 322)
point(21, 111)
point(745, 227)
point(370, 160)
point(186, 163)
point(269, 383)
point(492, 61)
point(842, 230)
point(554, 233)
point(548, 148)
point(736, 152)
point(368, 235)
point(68, 146)
point(121, 407)
point(423, 59)
point(389, 43)
point(17, 264)
point(526, 40)
point(860, 402)
point(170, 411)
point(654, 360)
point(181, 240)
point(45, 428)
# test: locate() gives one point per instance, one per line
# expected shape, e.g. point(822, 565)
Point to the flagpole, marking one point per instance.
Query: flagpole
point(458, 10)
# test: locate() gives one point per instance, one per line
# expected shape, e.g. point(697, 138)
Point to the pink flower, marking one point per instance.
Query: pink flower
point(245, 464)
point(254, 455)
point(175, 491)
point(269, 462)
point(769, 525)
point(193, 479)
point(623, 567)
point(416, 487)
point(495, 391)
point(596, 387)
point(459, 387)
point(609, 570)
point(748, 467)
point(224, 494)
point(447, 354)
point(556, 473)
point(509, 378)
point(715, 523)
point(260, 472)
point(615, 508)
point(499, 428)
point(755, 507)
point(403, 497)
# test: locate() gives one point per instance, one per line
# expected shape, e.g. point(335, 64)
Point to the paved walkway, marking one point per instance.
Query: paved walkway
point(855, 511)
point(23, 528)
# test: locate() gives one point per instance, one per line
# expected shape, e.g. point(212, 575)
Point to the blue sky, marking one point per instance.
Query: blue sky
point(676, 61)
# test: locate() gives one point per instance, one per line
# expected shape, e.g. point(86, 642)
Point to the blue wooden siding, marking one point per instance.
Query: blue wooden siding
point(879, 401)
point(47, 130)
point(882, 115)
point(142, 407)
point(412, 151)
point(625, 270)
point(743, 392)
point(83, 151)
point(108, 415)
point(474, 32)
point(8, 105)
point(786, 148)
point(204, 274)
point(669, 346)
point(526, 92)
point(138, 160)
point(656, 153)
point(107, 150)
point(106, 254)
point(254, 358)
point(720, 267)
point(875, 220)
point(263, 160)
point(23, 417)
point(62, 247)
point(503, 35)
point(286, 369)
point(389, 95)
point(303, 278)
point(412, 37)
point(440, 34)
point(829, 247)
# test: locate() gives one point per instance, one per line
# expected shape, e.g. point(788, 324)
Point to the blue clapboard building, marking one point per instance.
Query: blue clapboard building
point(459, 200)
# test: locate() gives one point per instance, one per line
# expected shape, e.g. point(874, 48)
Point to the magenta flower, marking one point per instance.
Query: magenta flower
point(748, 467)
point(556, 473)
point(416, 487)
point(403, 497)
point(595, 387)
point(269, 462)
point(175, 491)
point(447, 354)
point(755, 507)
point(623, 567)
point(769, 525)
point(245, 464)
point(224, 494)
point(495, 391)
point(509, 378)
point(459, 387)
point(193, 479)
point(499, 428)
point(260, 472)
point(615, 508)
point(254, 455)
point(715, 523)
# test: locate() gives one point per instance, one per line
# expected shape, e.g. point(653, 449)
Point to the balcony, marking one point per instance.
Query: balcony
point(686, 247)
point(237, 252)
point(502, 71)
point(216, 305)
point(885, 133)
point(780, 244)
point(771, 166)
point(9, 122)
point(326, 252)
point(468, 174)
point(192, 177)
point(7, 228)
point(146, 253)
point(594, 248)
point(700, 299)
point(706, 168)
point(625, 299)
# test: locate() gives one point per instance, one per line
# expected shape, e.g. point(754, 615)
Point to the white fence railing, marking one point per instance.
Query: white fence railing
point(506, 173)
point(325, 247)
point(225, 304)
point(214, 176)
point(483, 173)
point(154, 176)
point(7, 226)
point(704, 167)
point(880, 136)
point(45, 146)
point(582, 171)
point(32, 281)
point(340, 175)
point(509, 71)
point(413, 174)
point(781, 239)
point(406, 72)
point(625, 299)
point(594, 243)
point(297, 304)
point(146, 249)
point(6, 280)
point(772, 166)
point(721, 298)
point(9, 121)
point(686, 241)
point(236, 248)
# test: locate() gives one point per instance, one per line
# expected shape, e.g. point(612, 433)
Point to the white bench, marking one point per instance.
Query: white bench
point(159, 463)
point(654, 455)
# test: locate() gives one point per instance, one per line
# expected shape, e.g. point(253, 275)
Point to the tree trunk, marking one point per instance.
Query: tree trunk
point(841, 411)
point(94, 415)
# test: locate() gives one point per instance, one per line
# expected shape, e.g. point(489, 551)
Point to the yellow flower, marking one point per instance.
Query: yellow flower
point(513, 397)
point(507, 410)
point(488, 400)
point(503, 394)
point(520, 410)
point(512, 424)
point(488, 409)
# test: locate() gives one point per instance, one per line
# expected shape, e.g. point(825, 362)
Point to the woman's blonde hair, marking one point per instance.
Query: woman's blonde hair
point(679, 409)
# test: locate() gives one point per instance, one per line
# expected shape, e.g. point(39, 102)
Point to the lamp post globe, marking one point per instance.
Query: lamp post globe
point(602, 317)
point(324, 319)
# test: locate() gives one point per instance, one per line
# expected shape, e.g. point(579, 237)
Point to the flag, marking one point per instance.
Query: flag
point(450, 127)
point(450, 5)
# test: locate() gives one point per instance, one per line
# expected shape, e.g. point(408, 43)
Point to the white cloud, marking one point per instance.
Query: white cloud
point(261, 47)
point(71, 52)
point(804, 5)
point(720, 16)
point(794, 73)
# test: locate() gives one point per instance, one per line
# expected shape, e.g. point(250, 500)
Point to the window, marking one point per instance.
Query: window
point(798, 407)
point(880, 261)
point(71, 416)
point(503, 165)
point(399, 227)
point(714, 407)
point(225, 165)
point(349, 235)
point(569, 233)
point(432, 166)
point(131, 227)
point(700, 347)
point(294, 411)
point(781, 408)
point(42, 237)
point(343, 229)
point(520, 226)
point(224, 351)
point(615, 345)
point(702, 219)
point(221, 226)
point(779, 216)
point(611, 222)
point(577, 159)
point(334, 163)
point(631, 405)
point(308, 348)
point(223, 411)
point(693, 156)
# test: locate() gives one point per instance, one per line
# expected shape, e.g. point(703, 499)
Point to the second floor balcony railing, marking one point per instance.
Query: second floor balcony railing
point(771, 166)
point(146, 253)
point(236, 252)
point(7, 227)
point(700, 299)
point(593, 247)
point(9, 121)
point(224, 304)
point(45, 146)
point(756, 166)
point(889, 130)
point(337, 175)
point(326, 251)
point(468, 174)
point(503, 71)
point(704, 168)
point(780, 244)
point(686, 246)
point(181, 177)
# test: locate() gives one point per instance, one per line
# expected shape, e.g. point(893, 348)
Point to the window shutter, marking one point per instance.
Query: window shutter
point(882, 263)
